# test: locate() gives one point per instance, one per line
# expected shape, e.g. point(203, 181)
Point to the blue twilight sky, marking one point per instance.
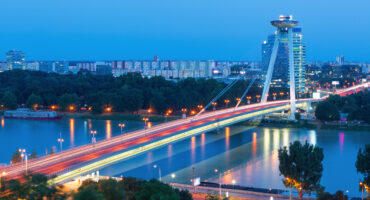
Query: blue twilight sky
point(178, 29)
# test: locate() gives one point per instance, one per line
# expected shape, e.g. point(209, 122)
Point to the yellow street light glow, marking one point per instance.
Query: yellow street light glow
point(156, 144)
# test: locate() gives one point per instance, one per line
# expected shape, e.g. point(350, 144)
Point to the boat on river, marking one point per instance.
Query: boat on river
point(25, 113)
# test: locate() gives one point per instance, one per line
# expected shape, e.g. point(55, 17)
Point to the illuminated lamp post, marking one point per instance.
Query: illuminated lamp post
point(227, 101)
point(145, 119)
point(249, 99)
point(121, 125)
point(200, 107)
point(168, 112)
point(219, 180)
point(214, 104)
point(184, 110)
point(2, 175)
point(24, 156)
point(274, 94)
point(61, 140)
point(159, 172)
point(258, 97)
point(93, 132)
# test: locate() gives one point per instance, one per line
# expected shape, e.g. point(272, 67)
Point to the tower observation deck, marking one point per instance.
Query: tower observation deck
point(284, 22)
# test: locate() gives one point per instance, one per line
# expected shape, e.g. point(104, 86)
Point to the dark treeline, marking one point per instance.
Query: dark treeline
point(35, 186)
point(127, 93)
point(357, 106)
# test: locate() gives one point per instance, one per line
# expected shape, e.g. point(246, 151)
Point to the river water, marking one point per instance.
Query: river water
point(244, 154)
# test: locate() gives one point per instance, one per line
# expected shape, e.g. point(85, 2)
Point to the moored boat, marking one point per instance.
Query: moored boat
point(25, 113)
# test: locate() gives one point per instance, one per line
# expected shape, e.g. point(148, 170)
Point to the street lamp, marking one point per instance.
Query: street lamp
point(168, 112)
point(258, 96)
point(184, 110)
point(121, 125)
point(362, 190)
point(249, 99)
point(214, 104)
point(159, 172)
point(24, 155)
point(93, 132)
point(290, 181)
point(200, 107)
point(145, 119)
point(2, 175)
point(61, 140)
point(227, 101)
point(219, 180)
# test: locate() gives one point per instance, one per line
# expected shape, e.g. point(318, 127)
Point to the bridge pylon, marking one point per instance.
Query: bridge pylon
point(284, 34)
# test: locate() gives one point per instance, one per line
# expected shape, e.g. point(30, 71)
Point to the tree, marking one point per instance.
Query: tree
point(298, 116)
point(156, 190)
point(111, 189)
point(326, 111)
point(88, 192)
point(68, 100)
point(132, 186)
point(301, 166)
point(16, 157)
point(33, 100)
point(339, 195)
point(363, 163)
point(35, 186)
point(184, 195)
point(51, 151)
point(9, 100)
point(212, 197)
point(33, 154)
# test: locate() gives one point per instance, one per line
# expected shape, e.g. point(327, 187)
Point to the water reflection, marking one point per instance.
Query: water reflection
point(108, 129)
point(203, 144)
point(341, 141)
point(227, 138)
point(72, 131)
point(193, 152)
point(2, 122)
point(254, 144)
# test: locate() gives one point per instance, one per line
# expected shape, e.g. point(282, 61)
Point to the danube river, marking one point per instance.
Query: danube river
point(244, 154)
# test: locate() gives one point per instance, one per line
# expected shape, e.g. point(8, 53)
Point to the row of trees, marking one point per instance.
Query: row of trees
point(35, 187)
point(301, 166)
point(357, 106)
point(127, 93)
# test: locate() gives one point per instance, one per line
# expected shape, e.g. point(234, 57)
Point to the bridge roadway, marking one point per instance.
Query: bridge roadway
point(91, 157)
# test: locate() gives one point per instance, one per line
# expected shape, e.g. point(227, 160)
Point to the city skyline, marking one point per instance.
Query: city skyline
point(116, 30)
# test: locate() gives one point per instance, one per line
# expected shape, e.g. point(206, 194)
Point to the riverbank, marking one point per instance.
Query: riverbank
point(119, 116)
point(308, 124)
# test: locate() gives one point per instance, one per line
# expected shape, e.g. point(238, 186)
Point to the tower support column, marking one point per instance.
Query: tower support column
point(270, 69)
point(291, 76)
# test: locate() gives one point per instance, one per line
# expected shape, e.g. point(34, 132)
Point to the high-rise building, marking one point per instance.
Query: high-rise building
point(15, 60)
point(280, 77)
point(340, 60)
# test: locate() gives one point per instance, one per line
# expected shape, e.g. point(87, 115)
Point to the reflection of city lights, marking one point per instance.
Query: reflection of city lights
point(109, 129)
point(72, 130)
point(193, 145)
point(266, 142)
point(313, 137)
point(227, 137)
point(285, 137)
point(2, 122)
point(254, 144)
point(276, 141)
point(341, 141)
